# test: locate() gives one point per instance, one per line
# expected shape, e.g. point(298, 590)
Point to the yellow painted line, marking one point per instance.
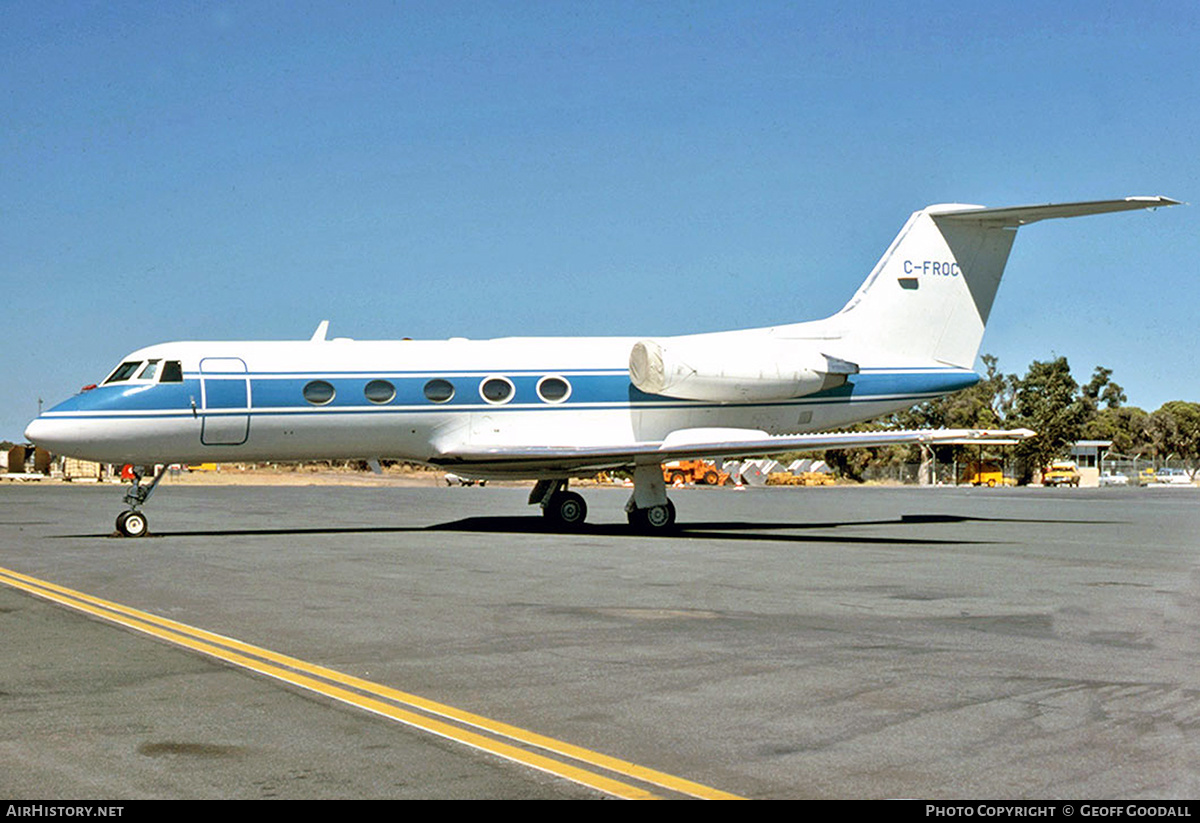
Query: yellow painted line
point(227, 649)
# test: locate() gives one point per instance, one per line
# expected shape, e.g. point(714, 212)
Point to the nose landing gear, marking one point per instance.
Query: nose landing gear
point(133, 523)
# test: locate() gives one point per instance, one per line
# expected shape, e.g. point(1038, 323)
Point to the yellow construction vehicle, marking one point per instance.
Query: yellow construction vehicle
point(682, 472)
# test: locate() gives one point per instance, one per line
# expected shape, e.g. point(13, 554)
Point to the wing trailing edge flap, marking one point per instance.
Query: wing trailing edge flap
point(693, 443)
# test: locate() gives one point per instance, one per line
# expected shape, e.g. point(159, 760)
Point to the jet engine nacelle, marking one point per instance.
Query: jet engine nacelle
point(725, 369)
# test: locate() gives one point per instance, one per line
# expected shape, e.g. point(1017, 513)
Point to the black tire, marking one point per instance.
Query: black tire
point(566, 509)
point(654, 520)
point(132, 524)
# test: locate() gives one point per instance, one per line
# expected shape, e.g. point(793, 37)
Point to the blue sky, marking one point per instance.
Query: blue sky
point(213, 170)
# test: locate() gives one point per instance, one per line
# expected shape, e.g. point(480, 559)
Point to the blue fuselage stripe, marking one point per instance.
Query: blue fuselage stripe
point(273, 393)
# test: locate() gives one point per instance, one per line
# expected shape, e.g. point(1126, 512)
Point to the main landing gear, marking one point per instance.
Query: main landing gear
point(133, 523)
point(560, 507)
point(652, 519)
point(648, 509)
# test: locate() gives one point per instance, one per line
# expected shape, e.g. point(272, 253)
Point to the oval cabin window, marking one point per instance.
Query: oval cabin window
point(496, 390)
point(319, 392)
point(380, 391)
point(553, 389)
point(439, 391)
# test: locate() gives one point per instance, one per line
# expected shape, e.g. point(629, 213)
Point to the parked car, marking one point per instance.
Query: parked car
point(1113, 479)
point(1061, 473)
point(1174, 477)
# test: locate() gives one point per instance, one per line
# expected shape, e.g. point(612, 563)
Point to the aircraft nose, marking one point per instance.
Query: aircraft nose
point(36, 431)
point(52, 435)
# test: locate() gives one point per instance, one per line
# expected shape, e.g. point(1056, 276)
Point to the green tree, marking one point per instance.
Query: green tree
point(1101, 389)
point(1047, 400)
point(1174, 431)
point(1125, 426)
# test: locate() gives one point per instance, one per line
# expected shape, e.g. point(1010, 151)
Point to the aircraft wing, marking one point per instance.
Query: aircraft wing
point(550, 461)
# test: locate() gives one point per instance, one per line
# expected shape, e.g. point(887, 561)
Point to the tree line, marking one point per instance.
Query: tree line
point(1048, 400)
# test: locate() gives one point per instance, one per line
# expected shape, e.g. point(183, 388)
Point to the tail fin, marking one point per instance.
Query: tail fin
point(930, 294)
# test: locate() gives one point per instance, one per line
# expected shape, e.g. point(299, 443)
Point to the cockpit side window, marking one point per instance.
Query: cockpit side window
point(124, 371)
point(172, 372)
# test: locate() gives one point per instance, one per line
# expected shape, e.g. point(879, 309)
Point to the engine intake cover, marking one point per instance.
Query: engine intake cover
point(724, 369)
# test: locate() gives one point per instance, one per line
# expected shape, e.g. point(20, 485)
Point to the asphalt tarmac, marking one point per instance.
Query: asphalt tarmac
point(787, 643)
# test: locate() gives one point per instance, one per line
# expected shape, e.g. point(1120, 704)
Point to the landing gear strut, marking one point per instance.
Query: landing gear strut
point(562, 508)
point(133, 523)
point(648, 508)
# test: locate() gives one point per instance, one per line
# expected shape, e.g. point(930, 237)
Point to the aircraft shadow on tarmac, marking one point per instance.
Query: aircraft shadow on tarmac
point(701, 530)
point(725, 530)
point(739, 530)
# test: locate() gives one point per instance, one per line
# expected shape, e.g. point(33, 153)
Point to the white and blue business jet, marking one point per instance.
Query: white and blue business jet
point(550, 408)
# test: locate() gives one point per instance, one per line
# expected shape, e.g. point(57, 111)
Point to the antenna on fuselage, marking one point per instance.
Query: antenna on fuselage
point(319, 334)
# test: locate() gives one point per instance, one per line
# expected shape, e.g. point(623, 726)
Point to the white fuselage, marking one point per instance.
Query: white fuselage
point(247, 401)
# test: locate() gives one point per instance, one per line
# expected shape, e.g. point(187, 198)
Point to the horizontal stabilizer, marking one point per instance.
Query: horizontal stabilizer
point(1023, 215)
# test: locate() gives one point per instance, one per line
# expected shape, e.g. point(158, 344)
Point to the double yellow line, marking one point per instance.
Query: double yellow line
point(605, 774)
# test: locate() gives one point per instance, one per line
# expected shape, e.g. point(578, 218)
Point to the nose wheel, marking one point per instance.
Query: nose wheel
point(132, 524)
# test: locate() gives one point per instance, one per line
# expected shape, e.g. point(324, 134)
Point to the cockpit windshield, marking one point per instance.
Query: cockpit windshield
point(124, 371)
point(148, 372)
point(164, 371)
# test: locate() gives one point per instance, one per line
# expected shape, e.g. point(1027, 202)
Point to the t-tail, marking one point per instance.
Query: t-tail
point(929, 296)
